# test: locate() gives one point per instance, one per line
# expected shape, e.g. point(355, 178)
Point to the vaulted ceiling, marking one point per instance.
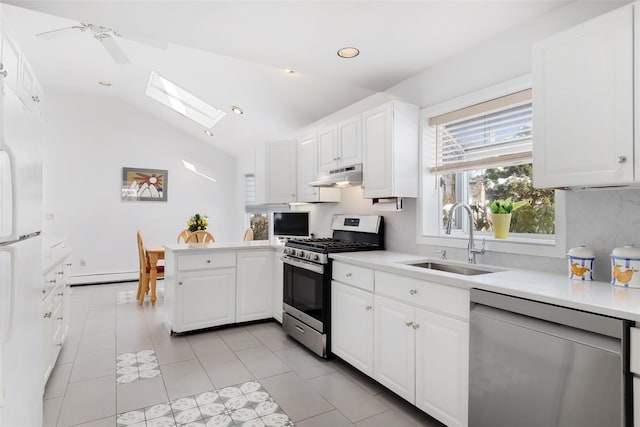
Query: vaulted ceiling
point(235, 52)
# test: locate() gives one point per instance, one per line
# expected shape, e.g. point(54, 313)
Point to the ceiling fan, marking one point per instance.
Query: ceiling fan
point(106, 36)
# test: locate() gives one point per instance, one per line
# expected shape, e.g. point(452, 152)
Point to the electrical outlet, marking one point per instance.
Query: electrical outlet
point(83, 262)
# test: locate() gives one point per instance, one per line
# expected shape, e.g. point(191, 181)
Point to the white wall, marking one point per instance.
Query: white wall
point(602, 219)
point(87, 142)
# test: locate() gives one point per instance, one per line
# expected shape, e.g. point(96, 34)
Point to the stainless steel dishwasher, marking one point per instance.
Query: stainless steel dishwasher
point(539, 365)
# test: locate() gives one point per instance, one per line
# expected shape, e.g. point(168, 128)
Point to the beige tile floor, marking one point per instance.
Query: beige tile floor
point(313, 392)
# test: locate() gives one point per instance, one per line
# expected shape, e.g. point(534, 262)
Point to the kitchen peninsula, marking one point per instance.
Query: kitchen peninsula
point(218, 284)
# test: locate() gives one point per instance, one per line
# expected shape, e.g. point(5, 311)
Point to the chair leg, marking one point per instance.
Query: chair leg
point(143, 286)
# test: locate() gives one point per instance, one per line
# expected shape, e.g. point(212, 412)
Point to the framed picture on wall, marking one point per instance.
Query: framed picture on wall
point(146, 185)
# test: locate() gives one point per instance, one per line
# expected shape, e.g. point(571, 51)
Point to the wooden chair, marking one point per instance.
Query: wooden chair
point(200, 236)
point(145, 269)
point(184, 235)
point(248, 234)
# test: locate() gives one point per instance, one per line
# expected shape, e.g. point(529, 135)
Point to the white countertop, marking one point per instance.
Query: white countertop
point(596, 297)
point(215, 246)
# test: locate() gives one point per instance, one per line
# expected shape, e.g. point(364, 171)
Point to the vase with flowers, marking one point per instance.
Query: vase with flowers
point(501, 215)
point(197, 222)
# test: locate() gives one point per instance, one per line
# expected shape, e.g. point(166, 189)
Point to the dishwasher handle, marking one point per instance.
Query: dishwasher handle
point(599, 324)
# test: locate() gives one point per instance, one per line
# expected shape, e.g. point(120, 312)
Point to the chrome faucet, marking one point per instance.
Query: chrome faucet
point(471, 250)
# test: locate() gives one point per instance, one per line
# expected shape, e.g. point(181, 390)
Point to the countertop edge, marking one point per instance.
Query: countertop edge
point(594, 297)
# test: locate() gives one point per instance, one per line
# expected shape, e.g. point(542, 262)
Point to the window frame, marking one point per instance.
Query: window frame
point(429, 204)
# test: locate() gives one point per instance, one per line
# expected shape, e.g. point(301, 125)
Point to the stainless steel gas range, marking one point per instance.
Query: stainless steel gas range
point(307, 276)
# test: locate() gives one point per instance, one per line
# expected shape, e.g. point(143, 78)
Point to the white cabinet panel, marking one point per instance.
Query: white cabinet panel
point(308, 172)
point(584, 105)
point(254, 285)
point(278, 284)
point(328, 148)
point(10, 62)
point(276, 172)
point(442, 366)
point(353, 275)
point(352, 326)
point(390, 151)
point(205, 299)
point(394, 346)
point(350, 141)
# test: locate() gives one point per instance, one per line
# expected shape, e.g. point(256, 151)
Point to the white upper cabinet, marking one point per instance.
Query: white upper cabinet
point(30, 92)
point(390, 159)
point(276, 170)
point(340, 144)
point(10, 62)
point(308, 172)
point(583, 102)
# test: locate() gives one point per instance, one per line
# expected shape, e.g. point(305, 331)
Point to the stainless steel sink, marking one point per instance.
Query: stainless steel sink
point(456, 269)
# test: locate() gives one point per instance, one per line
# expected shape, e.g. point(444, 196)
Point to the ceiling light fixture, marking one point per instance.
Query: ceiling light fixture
point(104, 83)
point(208, 132)
point(348, 52)
point(289, 71)
point(237, 110)
point(191, 167)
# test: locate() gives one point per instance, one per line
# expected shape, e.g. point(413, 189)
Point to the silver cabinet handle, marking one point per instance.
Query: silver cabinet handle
point(412, 291)
point(35, 98)
point(408, 323)
point(179, 283)
point(60, 294)
point(621, 159)
point(52, 281)
point(68, 264)
point(58, 318)
point(44, 291)
point(60, 273)
point(59, 345)
point(348, 274)
point(416, 326)
point(367, 307)
point(208, 261)
point(47, 315)
point(4, 73)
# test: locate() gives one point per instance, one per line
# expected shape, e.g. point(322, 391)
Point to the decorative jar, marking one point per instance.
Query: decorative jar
point(580, 261)
point(625, 263)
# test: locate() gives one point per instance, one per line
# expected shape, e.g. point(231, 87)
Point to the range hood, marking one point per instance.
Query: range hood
point(342, 177)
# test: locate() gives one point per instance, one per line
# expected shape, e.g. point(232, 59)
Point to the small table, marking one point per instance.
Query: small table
point(154, 254)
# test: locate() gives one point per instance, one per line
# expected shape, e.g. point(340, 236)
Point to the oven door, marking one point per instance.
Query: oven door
point(304, 292)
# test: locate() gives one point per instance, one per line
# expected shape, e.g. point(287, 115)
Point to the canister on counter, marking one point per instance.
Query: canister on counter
point(625, 264)
point(580, 262)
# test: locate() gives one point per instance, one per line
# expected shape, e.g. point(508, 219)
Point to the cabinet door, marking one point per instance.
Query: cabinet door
point(377, 174)
point(352, 326)
point(328, 149)
point(254, 285)
point(10, 62)
point(307, 168)
point(394, 346)
point(350, 141)
point(278, 285)
point(583, 104)
point(442, 367)
point(206, 299)
point(281, 171)
point(48, 330)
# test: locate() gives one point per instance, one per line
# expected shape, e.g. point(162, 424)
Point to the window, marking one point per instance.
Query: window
point(257, 216)
point(477, 154)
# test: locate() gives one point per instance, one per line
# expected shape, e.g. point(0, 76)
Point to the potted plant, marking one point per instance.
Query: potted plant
point(501, 215)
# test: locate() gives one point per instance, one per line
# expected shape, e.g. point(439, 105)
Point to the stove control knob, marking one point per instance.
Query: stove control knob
point(316, 257)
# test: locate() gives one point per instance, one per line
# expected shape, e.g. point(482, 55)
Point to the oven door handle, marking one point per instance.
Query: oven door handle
point(306, 265)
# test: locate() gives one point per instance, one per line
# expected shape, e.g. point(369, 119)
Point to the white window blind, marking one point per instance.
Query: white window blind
point(250, 193)
point(492, 133)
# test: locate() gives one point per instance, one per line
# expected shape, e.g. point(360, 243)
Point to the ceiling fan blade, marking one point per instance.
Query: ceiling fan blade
point(114, 50)
point(60, 32)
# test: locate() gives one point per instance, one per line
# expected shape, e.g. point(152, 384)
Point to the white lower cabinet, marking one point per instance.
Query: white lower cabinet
point(394, 346)
point(442, 367)
point(254, 285)
point(206, 299)
point(352, 326)
point(416, 336)
point(278, 284)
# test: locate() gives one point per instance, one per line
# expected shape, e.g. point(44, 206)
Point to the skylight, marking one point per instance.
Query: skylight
point(178, 99)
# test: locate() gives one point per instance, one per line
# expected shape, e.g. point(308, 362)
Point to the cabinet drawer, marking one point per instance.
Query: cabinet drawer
point(441, 298)
point(360, 277)
point(206, 261)
point(635, 351)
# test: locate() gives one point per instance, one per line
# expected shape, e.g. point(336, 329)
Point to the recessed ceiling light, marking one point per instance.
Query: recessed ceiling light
point(208, 132)
point(289, 71)
point(348, 52)
point(104, 83)
point(236, 110)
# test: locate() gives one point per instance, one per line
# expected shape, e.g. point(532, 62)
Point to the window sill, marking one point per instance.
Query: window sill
point(512, 245)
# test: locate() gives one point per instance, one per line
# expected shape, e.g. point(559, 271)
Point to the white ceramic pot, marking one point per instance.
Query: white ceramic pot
point(580, 263)
point(625, 266)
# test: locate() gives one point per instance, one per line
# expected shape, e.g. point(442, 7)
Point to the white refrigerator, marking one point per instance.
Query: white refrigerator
point(21, 286)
